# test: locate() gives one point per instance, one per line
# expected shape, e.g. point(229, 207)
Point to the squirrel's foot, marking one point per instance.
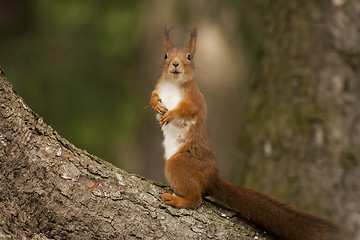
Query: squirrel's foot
point(168, 199)
point(181, 202)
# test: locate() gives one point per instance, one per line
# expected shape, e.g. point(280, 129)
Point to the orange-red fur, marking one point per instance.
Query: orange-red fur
point(192, 171)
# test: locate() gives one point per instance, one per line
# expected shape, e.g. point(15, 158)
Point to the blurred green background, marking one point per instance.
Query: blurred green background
point(88, 67)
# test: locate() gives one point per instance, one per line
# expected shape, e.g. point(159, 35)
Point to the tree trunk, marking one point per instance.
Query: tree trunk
point(302, 134)
point(49, 189)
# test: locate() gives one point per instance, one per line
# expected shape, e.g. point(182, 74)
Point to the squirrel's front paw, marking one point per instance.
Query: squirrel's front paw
point(160, 109)
point(167, 118)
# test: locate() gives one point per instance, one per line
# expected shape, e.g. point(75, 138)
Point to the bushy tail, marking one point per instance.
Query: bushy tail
point(275, 216)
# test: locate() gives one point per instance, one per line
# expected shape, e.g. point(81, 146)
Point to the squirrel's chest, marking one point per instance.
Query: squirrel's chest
point(170, 95)
point(176, 131)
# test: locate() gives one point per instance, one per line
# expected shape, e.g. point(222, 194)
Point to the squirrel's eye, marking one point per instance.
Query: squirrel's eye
point(189, 57)
point(165, 56)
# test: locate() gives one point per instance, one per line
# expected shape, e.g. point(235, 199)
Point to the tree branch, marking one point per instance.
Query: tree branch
point(49, 189)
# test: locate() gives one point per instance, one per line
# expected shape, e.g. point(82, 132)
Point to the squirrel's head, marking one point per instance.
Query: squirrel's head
point(178, 61)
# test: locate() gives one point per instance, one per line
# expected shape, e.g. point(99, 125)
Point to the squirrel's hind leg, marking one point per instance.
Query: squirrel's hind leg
point(184, 182)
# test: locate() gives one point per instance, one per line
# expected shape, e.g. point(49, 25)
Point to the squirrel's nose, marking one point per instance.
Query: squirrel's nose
point(175, 63)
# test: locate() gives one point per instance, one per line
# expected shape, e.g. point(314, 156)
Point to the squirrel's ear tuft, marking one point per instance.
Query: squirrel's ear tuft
point(167, 42)
point(192, 41)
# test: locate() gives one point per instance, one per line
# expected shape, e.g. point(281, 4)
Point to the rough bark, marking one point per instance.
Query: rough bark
point(302, 134)
point(49, 189)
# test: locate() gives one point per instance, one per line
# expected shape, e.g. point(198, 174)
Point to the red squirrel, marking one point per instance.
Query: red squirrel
point(191, 168)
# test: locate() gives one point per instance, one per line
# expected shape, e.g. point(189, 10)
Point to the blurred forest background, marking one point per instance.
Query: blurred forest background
point(281, 80)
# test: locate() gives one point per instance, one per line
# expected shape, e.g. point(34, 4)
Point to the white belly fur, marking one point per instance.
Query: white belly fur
point(174, 132)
